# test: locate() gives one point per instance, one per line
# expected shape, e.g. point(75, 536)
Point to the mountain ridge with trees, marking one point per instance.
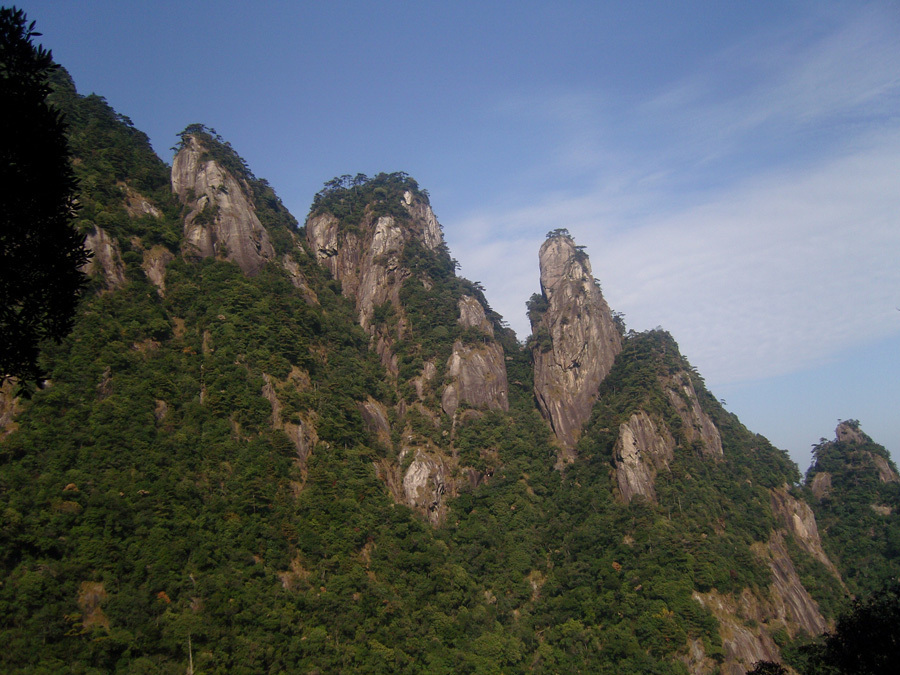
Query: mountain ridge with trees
point(334, 460)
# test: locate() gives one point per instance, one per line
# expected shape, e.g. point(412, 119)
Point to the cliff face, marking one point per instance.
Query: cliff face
point(382, 254)
point(221, 219)
point(797, 518)
point(476, 374)
point(577, 341)
point(365, 260)
point(641, 450)
point(106, 259)
point(698, 428)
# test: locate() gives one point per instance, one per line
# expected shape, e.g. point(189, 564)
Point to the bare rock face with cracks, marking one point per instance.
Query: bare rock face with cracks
point(578, 340)
point(370, 257)
point(221, 219)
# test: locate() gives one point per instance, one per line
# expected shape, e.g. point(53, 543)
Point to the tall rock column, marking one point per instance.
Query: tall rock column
point(576, 340)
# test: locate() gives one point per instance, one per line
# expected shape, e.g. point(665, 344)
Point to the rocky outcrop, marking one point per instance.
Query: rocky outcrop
point(744, 639)
point(578, 340)
point(375, 418)
point(137, 205)
point(91, 597)
point(790, 603)
point(299, 429)
point(641, 450)
point(366, 258)
point(821, 485)
point(849, 432)
point(886, 473)
point(797, 518)
point(374, 256)
point(424, 483)
point(154, 266)
point(298, 280)
point(747, 621)
point(221, 219)
point(106, 259)
point(472, 315)
point(476, 375)
point(697, 427)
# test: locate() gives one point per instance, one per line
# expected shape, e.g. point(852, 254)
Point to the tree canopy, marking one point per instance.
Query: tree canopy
point(41, 253)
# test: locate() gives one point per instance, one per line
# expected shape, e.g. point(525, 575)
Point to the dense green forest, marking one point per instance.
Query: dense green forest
point(158, 515)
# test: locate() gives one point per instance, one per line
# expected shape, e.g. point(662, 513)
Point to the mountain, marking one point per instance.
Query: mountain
point(268, 447)
point(854, 490)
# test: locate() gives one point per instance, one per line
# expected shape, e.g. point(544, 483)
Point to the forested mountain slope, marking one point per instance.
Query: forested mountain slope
point(272, 448)
point(854, 490)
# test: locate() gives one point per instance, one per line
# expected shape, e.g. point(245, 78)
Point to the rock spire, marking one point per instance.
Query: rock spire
point(575, 339)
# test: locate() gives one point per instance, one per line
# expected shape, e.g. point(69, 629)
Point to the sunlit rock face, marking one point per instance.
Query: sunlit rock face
point(366, 258)
point(221, 219)
point(797, 518)
point(581, 341)
point(698, 428)
point(106, 259)
point(369, 256)
point(850, 433)
point(476, 376)
point(642, 449)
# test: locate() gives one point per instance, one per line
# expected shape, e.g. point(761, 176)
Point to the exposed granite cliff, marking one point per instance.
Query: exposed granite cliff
point(857, 452)
point(643, 448)
point(221, 219)
point(365, 258)
point(697, 427)
point(106, 259)
point(797, 518)
point(382, 253)
point(748, 621)
point(576, 340)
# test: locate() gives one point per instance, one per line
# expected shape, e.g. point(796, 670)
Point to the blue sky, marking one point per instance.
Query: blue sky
point(733, 168)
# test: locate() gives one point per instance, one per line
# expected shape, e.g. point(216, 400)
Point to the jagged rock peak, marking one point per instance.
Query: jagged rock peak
point(575, 339)
point(850, 440)
point(359, 227)
point(848, 431)
point(221, 218)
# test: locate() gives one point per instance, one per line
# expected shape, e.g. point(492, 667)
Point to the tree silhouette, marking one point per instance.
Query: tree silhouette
point(866, 640)
point(767, 668)
point(40, 251)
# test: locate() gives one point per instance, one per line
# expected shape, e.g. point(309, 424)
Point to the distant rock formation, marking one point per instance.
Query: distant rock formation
point(221, 219)
point(577, 340)
point(106, 259)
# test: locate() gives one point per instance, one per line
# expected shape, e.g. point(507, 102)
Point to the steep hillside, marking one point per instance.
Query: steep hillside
point(854, 490)
point(272, 448)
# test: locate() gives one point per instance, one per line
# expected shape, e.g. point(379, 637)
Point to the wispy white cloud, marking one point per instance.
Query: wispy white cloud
point(759, 223)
